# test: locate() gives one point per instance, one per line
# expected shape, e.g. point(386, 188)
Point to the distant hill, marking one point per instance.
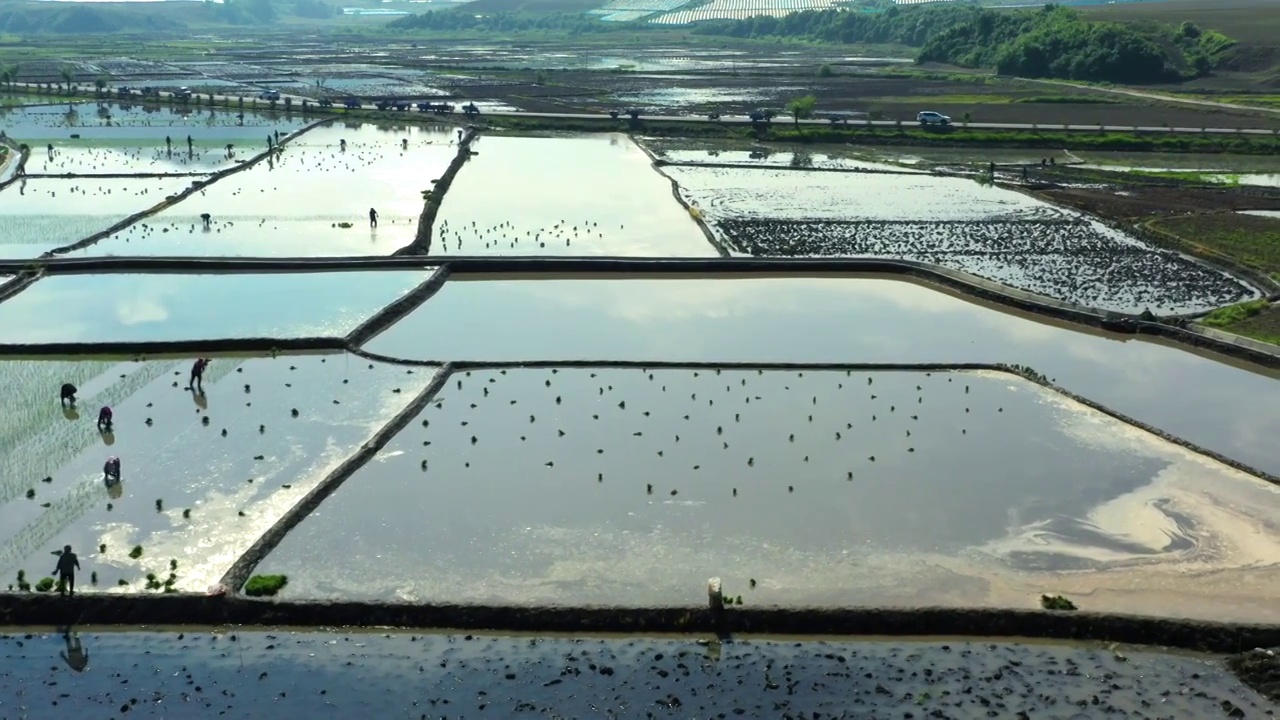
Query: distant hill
point(65, 18)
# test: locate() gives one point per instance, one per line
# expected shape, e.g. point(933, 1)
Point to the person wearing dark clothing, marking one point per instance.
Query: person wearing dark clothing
point(111, 470)
point(207, 218)
point(373, 218)
point(68, 564)
point(104, 419)
point(68, 394)
point(197, 374)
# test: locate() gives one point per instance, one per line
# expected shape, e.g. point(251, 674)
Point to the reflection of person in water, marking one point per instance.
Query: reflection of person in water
point(75, 656)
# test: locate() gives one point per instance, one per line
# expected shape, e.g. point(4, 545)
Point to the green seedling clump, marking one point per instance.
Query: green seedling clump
point(136, 552)
point(264, 585)
point(1056, 602)
point(45, 585)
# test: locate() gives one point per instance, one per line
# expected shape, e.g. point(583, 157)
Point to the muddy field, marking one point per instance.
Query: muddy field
point(1136, 200)
point(994, 233)
point(238, 673)
point(1069, 260)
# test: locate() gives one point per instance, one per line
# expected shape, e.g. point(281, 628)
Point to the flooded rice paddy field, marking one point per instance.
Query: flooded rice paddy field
point(331, 675)
point(630, 487)
point(837, 319)
point(38, 215)
point(292, 205)
point(164, 307)
point(956, 223)
point(139, 157)
point(203, 473)
point(564, 196)
point(1072, 259)
point(704, 152)
point(110, 121)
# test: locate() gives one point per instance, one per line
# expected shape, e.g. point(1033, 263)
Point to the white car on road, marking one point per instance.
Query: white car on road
point(928, 117)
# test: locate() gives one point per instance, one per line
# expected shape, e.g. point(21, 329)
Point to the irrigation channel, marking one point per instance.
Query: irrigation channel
point(692, 370)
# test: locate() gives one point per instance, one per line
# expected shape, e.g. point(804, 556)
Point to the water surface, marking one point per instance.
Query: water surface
point(837, 319)
point(234, 457)
point(564, 196)
point(160, 307)
point(294, 205)
point(37, 215)
point(631, 487)
point(316, 674)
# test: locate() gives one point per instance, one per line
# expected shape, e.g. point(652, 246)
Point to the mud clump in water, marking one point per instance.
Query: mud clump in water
point(581, 677)
point(1260, 669)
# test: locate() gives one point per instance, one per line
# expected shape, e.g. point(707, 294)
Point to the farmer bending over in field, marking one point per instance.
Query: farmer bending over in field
point(111, 470)
point(207, 218)
point(197, 374)
point(104, 419)
point(68, 563)
point(68, 394)
point(373, 218)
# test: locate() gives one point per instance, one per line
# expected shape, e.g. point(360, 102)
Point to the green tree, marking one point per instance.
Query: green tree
point(825, 71)
point(100, 83)
point(7, 74)
point(68, 75)
point(801, 108)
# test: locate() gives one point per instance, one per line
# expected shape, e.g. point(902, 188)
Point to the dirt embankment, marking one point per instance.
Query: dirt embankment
point(421, 244)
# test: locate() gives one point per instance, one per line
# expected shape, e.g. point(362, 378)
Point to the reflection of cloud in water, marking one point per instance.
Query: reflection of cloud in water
point(1194, 514)
point(669, 300)
point(141, 310)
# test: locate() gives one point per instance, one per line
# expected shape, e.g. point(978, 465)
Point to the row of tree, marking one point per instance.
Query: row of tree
point(1049, 42)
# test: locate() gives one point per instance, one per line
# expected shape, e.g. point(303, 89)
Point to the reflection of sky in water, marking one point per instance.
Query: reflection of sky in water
point(167, 453)
point(389, 674)
point(838, 320)
point(291, 207)
point(43, 214)
point(631, 486)
point(564, 196)
point(135, 308)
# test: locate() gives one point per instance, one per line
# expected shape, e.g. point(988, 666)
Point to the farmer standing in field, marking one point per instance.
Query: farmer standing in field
point(373, 218)
point(111, 470)
point(197, 374)
point(68, 564)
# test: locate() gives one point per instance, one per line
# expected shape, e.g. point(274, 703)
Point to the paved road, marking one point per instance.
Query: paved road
point(907, 122)
point(821, 120)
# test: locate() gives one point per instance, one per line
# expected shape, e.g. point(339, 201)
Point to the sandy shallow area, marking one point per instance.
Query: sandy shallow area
point(243, 674)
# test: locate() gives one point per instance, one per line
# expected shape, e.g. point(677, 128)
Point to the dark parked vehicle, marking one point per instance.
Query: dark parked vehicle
point(437, 108)
point(325, 103)
point(351, 103)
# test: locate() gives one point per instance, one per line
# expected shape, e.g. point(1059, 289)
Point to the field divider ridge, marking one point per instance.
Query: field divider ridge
point(657, 164)
point(113, 609)
point(188, 348)
point(191, 190)
point(421, 244)
point(963, 283)
point(397, 309)
point(238, 574)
